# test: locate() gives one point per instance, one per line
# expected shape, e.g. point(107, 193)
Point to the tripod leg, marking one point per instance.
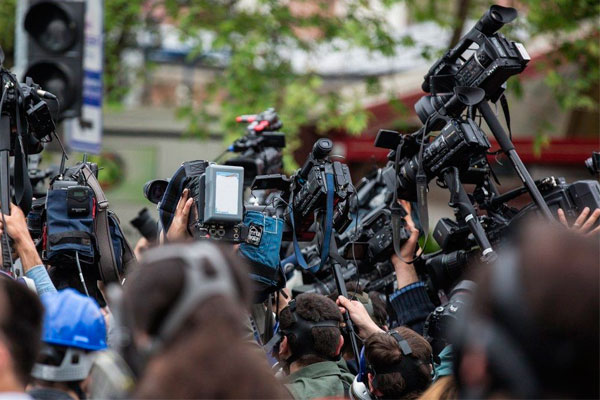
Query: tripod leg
point(5, 187)
point(341, 287)
point(509, 149)
point(460, 200)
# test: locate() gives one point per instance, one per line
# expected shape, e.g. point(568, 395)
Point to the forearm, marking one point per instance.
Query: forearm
point(27, 252)
point(43, 283)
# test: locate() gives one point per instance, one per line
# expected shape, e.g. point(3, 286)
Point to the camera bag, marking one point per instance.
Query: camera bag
point(91, 238)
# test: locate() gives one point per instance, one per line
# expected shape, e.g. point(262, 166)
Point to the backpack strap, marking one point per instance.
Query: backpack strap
point(107, 264)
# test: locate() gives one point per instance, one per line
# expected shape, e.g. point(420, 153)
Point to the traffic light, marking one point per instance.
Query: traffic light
point(54, 32)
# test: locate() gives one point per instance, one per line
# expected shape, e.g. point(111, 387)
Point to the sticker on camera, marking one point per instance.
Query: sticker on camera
point(255, 233)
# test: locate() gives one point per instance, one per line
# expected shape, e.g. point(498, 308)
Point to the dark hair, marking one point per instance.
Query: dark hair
point(380, 314)
point(20, 325)
point(207, 353)
point(556, 287)
point(211, 364)
point(314, 307)
point(153, 289)
point(382, 351)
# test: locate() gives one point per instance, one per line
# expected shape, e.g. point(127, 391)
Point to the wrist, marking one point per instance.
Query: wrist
point(22, 240)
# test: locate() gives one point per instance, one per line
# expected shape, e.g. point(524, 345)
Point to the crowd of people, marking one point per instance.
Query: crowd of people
point(183, 325)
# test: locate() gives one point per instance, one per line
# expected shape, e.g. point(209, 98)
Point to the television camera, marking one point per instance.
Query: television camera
point(25, 124)
point(259, 150)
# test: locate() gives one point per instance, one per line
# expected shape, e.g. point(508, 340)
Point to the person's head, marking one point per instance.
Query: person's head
point(533, 327)
point(310, 331)
point(20, 331)
point(181, 288)
point(211, 364)
point(399, 363)
point(186, 306)
point(73, 329)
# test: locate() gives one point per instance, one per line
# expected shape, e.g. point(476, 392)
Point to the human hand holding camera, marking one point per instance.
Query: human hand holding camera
point(359, 315)
point(405, 272)
point(16, 228)
point(178, 229)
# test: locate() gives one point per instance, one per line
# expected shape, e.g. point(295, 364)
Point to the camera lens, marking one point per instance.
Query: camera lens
point(322, 148)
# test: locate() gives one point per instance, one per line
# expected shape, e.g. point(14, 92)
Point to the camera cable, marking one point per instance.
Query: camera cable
point(81, 274)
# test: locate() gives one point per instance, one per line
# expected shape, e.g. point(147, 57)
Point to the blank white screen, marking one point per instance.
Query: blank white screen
point(227, 193)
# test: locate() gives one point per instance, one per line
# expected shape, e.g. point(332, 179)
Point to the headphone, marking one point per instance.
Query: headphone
point(301, 328)
point(408, 367)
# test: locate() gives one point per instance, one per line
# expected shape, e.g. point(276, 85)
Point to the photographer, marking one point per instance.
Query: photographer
point(186, 306)
point(20, 332)
point(410, 301)
point(399, 364)
point(310, 347)
point(533, 328)
point(73, 330)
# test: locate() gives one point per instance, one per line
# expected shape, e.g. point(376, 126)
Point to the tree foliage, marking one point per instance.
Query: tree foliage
point(570, 26)
point(259, 41)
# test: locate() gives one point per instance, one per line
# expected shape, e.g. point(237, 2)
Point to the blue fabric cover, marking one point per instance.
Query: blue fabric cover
point(267, 252)
point(59, 223)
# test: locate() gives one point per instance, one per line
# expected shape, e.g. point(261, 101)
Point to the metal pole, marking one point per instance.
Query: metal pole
point(509, 149)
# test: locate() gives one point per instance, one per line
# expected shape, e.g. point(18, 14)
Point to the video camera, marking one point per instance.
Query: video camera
point(260, 149)
point(491, 64)
point(25, 124)
point(218, 208)
point(461, 143)
point(373, 240)
point(306, 192)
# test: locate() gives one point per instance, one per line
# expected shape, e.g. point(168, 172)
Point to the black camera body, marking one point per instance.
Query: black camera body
point(259, 151)
point(461, 143)
point(495, 60)
point(217, 191)
point(439, 325)
point(572, 198)
point(373, 241)
point(307, 190)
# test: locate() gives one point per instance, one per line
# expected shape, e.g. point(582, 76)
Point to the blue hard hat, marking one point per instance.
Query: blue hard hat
point(73, 320)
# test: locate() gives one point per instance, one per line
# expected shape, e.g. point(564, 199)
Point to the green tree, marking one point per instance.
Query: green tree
point(259, 73)
point(570, 26)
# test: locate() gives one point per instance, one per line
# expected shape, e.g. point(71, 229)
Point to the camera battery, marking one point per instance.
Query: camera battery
point(78, 201)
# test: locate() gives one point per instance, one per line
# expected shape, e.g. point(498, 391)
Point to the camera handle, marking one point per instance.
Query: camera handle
point(461, 202)
point(509, 149)
point(337, 262)
point(5, 187)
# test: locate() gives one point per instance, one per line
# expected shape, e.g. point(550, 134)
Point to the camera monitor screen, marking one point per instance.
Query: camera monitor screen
point(224, 194)
point(227, 193)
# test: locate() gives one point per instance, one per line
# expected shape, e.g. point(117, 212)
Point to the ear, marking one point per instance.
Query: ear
point(340, 345)
point(284, 349)
point(5, 359)
point(371, 388)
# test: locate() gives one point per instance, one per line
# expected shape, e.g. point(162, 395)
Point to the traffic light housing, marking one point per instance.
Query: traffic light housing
point(55, 40)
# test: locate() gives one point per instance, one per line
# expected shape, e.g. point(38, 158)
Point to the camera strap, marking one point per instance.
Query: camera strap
point(109, 272)
point(328, 227)
point(23, 189)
